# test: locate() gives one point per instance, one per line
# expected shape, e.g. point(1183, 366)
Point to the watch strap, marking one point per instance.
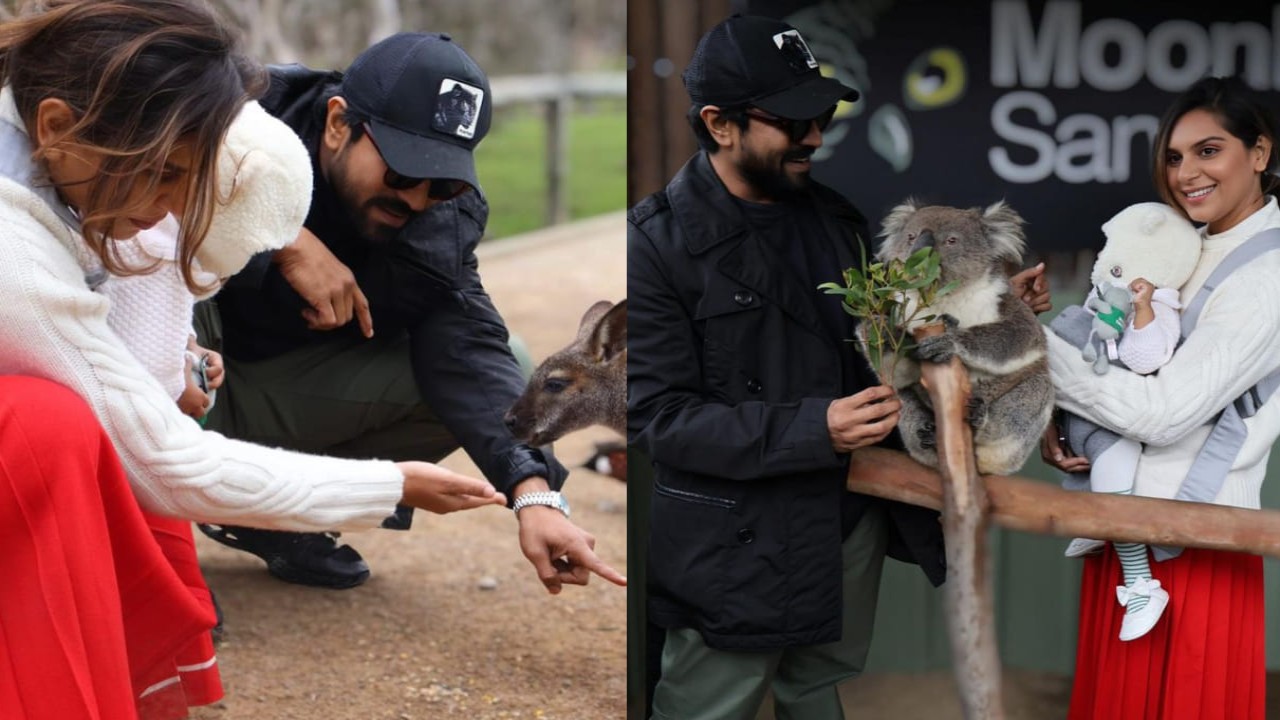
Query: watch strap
point(550, 498)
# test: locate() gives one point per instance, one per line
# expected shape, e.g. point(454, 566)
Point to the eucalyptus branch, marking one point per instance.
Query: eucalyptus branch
point(889, 299)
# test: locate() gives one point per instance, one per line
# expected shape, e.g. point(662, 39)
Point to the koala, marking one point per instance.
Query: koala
point(993, 332)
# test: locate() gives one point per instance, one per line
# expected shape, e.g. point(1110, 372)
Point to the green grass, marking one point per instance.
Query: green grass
point(511, 164)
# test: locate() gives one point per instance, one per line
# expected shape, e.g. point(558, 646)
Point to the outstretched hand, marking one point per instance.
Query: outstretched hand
point(439, 490)
point(561, 552)
point(1032, 287)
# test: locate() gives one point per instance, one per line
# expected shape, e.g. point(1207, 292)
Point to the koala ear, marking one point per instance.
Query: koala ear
point(893, 224)
point(1003, 227)
point(1151, 221)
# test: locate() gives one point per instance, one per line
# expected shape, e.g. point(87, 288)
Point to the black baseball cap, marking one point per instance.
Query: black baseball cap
point(427, 101)
point(759, 61)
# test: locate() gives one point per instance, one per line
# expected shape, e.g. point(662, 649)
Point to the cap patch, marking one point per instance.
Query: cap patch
point(457, 108)
point(794, 49)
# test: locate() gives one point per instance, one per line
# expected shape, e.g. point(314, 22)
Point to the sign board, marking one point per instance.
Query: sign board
point(1051, 106)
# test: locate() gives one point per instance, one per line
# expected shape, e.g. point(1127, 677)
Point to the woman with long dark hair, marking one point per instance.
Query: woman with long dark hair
point(1213, 161)
point(111, 118)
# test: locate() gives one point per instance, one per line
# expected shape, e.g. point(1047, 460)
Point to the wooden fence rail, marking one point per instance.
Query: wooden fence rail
point(557, 94)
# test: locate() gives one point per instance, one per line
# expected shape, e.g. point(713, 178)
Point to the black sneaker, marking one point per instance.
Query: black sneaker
point(313, 559)
point(217, 631)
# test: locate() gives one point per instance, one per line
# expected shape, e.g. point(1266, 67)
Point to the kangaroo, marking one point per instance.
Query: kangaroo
point(584, 384)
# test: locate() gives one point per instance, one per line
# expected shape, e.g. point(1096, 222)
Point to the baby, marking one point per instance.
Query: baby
point(1150, 252)
point(264, 192)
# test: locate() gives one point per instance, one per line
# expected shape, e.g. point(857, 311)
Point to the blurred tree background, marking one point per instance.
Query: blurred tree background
point(506, 38)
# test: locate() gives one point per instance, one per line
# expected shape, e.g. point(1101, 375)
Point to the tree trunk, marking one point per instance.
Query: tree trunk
point(967, 592)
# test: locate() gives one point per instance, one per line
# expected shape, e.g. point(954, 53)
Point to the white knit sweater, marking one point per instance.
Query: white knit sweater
point(52, 325)
point(1235, 344)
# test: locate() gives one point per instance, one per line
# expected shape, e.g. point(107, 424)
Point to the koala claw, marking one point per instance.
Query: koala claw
point(949, 321)
point(927, 435)
point(936, 348)
point(977, 412)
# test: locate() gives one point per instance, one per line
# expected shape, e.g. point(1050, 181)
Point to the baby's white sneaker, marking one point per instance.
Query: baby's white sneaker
point(1139, 623)
point(1084, 546)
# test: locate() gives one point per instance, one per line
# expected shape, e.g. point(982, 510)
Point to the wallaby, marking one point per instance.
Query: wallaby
point(584, 384)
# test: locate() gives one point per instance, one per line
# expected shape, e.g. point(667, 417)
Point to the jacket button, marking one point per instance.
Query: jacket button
point(743, 297)
point(754, 386)
point(745, 536)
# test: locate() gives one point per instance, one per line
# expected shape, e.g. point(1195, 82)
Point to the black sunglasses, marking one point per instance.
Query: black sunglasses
point(438, 189)
point(796, 130)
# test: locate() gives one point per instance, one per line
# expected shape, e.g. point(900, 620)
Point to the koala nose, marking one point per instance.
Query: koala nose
point(510, 420)
point(923, 241)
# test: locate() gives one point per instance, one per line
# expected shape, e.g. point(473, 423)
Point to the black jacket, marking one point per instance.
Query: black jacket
point(424, 282)
point(730, 372)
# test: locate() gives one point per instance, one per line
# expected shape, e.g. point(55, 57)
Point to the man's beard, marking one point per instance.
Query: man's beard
point(359, 213)
point(768, 176)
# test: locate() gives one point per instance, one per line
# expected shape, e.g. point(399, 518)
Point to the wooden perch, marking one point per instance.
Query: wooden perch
point(1038, 507)
point(967, 594)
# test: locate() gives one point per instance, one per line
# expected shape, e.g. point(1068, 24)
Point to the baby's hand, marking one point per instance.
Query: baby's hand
point(193, 401)
point(1142, 290)
point(214, 370)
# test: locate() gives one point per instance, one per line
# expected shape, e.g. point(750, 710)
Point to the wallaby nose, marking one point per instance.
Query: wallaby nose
point(510, 420)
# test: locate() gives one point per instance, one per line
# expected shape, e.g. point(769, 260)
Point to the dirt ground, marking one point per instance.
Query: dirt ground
point(423, 638)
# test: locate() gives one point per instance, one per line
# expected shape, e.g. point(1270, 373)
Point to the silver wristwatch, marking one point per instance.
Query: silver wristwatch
point(550, 498)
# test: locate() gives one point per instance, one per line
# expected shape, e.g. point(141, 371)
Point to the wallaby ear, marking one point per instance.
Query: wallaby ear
point(592, 318)
point(609, 338)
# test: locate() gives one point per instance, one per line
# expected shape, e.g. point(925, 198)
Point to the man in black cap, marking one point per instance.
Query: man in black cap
point(395, 217)
point(748, 396)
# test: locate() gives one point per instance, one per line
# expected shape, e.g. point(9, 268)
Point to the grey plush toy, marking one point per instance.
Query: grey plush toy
point(1111, 306)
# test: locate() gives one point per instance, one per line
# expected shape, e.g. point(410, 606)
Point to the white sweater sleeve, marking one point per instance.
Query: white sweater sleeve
point(53, 326)
point(1232, 347)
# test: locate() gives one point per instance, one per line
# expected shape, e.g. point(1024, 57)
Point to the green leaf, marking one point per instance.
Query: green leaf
point(874, 292)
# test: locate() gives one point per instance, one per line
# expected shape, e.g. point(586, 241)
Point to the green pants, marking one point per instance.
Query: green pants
point(349, 397)
point(702, 683)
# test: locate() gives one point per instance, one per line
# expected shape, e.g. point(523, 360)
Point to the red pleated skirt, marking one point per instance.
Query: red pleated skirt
point(1204, 660)
point(92, 613)
point(192, 678)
